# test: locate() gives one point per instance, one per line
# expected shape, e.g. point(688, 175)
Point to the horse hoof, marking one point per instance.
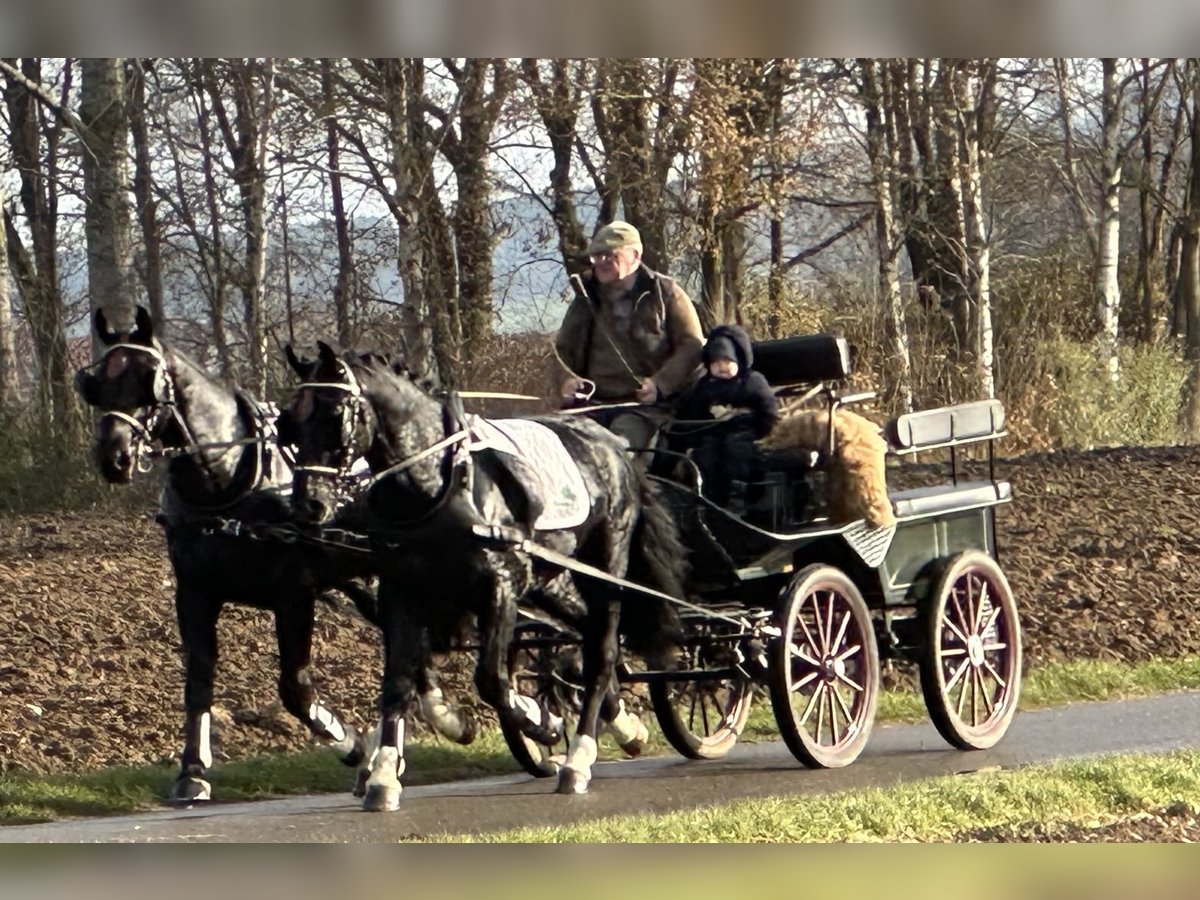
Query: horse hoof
point(571, 781)
point(469, 730)
point(638, 744)
point(190, 789)
point(360, 782)
point(382, 798)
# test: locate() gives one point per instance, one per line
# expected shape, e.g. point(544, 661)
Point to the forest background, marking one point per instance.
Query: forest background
point(1021, 228)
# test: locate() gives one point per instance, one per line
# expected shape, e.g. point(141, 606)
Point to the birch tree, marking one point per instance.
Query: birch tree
point(1102, 219)
point(888, 240)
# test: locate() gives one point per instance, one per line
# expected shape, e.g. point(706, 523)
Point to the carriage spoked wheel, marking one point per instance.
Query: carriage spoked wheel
point(971, 669)
point(543, 667)
point(824, 674)
point(702, 719)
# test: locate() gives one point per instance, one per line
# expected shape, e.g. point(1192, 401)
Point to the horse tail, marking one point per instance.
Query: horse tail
point(658, 559)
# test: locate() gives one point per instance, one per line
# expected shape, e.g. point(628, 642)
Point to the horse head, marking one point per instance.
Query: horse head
point(330, 425)
point(130, 384)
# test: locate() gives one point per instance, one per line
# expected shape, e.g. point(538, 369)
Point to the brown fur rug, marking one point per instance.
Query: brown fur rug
point(857, 478)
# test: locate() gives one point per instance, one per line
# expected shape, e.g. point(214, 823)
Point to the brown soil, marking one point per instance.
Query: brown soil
point(1100, 548)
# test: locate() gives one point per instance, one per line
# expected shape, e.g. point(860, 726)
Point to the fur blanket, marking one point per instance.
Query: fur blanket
point(857, 478)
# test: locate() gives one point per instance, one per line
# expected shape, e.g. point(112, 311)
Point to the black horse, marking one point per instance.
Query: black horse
point(447, 518)
point(230, 531)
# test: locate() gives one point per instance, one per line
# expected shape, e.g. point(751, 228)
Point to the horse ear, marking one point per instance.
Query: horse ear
point(302, 367)
point(100, 321)
point(326, 352)
point(143, 332)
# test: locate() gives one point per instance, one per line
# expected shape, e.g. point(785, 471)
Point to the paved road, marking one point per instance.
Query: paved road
point(896, 754)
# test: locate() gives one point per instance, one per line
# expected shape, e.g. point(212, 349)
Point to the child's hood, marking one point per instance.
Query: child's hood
point(736, 335)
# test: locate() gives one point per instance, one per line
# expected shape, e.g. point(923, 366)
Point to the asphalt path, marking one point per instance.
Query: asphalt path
point(896, 754)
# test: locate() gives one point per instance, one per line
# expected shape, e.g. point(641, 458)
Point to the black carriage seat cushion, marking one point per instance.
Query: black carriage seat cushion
point(805, 359)
point(941, 498)
point(929, 428)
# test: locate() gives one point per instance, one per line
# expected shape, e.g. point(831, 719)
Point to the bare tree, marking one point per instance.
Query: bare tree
point(344, 290)
point(36, 135)
point(557, 90)
point(106, 186)
point(1102, 221)
point(245, 133)
point(8, 349)
point(1188, 287)
point(884, 165)
point(145, 192)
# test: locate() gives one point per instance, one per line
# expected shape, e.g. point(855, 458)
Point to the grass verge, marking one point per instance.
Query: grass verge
point(1077, 792)
point(26, 798)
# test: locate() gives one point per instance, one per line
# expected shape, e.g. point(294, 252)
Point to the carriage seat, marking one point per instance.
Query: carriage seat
point(806, 359)
point(947, 426)
point(940, 498)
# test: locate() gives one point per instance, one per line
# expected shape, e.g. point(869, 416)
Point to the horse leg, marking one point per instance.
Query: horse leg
point(452, 722)
point(293, 633)
point(497, 623)
point(197, 615)
point(599, 662)
point(403, 661)
point(626, 728)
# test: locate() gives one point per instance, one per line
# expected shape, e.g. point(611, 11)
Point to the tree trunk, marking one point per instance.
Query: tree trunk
point(557, 102)
point(344, 286)
point(1107, 286)
point(36, 270)
point(145, 195)
point(106, 192)
point(8, 349)
point(1188, 286)
point(399, 92)
point(887, 240)
point(246, 142)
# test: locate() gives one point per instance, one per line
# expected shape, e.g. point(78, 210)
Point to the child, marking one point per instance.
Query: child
point(741, 408)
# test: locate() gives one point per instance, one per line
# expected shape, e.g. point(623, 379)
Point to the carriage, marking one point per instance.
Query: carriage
point(788, 602)
point(783, 597)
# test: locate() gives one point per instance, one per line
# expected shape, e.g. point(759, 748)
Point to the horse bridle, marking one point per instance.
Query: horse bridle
point(356, 412)
point(146, 426)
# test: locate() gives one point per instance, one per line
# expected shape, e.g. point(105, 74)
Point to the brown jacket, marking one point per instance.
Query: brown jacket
point(661, 338)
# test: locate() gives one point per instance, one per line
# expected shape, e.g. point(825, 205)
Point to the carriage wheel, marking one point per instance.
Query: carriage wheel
point(703, 719)
point(825, 669)
point(971, 670)
point(538, 668)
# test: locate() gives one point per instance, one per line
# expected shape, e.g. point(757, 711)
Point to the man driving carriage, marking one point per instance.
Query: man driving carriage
point(631, 335)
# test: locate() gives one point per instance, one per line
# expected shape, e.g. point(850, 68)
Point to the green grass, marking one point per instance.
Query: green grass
point(1078, 792)
point(31, 798)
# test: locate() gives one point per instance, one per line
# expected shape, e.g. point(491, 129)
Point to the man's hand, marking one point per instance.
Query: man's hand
point(648, 392)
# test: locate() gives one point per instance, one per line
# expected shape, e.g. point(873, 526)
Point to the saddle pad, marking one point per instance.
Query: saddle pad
point(560, 484)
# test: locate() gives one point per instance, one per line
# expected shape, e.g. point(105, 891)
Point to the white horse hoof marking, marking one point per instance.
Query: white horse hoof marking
point(572, 781)
point(190, 790)
point(382, 798)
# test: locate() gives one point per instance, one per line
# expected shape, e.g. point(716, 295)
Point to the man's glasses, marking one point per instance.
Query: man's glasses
point(607, 256)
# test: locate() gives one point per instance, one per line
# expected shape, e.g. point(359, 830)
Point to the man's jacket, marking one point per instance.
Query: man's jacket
point(660, 338)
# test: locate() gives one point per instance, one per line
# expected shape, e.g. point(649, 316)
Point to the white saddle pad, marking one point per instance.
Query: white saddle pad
point(560, 484)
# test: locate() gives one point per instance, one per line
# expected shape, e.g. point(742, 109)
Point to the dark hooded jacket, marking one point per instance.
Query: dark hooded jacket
point(747, 395)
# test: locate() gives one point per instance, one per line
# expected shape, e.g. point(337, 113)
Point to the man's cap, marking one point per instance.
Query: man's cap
point(614, 236)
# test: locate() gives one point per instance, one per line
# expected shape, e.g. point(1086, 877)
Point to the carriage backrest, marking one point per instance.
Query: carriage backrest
point(948, 426)
point(806, 359)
